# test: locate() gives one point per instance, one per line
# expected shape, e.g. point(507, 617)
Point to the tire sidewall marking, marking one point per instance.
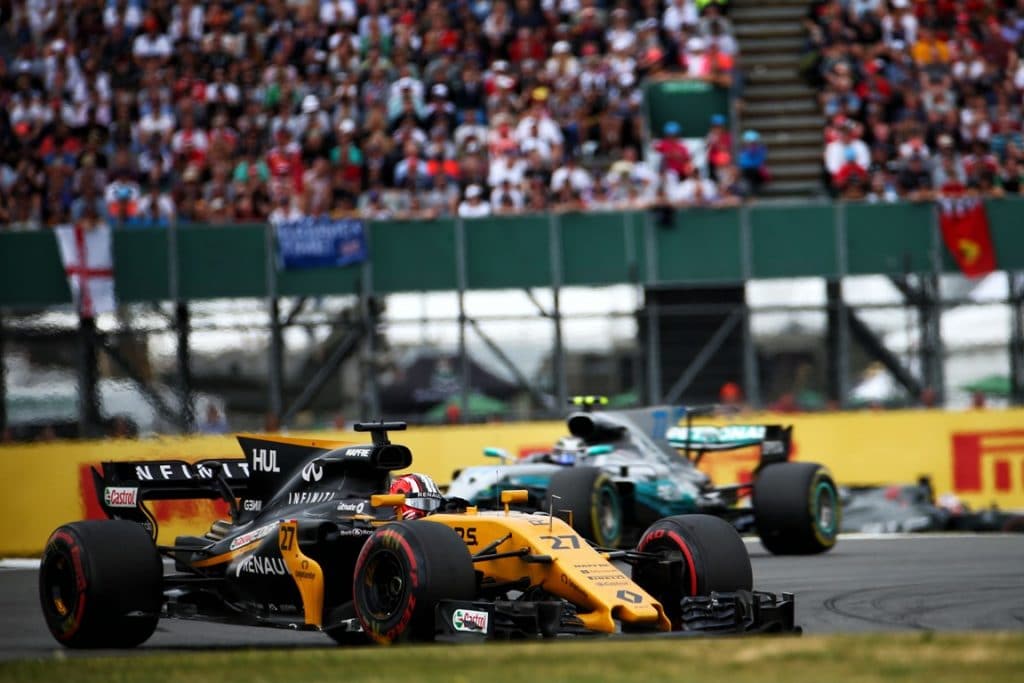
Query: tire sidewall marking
point(821, 484)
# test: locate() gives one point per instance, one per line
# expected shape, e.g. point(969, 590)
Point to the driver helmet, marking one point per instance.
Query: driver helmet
point(568, 450)
point(421, 495)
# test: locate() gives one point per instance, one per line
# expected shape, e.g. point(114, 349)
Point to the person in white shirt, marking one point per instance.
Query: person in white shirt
point(694, 191)
point(835, 151)
point(151, 44)
point(538, 124)
point(506, 198)
point(572, 174)
point(187, 21)
point(638, 173)
point(473, 206)
point(678, 14)
point(338, 12)
point(506, 167)
point(157, 120)
point(562, 63)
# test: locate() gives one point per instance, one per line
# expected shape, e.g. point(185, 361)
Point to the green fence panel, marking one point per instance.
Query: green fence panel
point(31, 273)
point(504, 253)
point(222, 261)
point(140, 265)
point(888, 238)
point(1006, 219)
point(600, 248)
point(793, 241)
point(413, 256)
point(317, 281)
point(689, 103)
point(702, 246)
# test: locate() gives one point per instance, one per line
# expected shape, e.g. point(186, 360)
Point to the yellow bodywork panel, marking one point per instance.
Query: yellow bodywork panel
point(576, 571)
point(308, 576)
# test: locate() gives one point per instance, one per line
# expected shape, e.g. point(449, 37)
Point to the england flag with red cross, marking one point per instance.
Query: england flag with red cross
point(85, 252)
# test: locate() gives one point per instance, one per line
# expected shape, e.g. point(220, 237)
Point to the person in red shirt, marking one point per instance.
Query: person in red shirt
point(285, 163)
point(674, 154)
point(718, 144)
point(850, 173)
point(527, 45)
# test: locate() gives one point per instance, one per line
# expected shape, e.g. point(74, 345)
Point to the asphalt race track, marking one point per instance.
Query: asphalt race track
point(936, 582)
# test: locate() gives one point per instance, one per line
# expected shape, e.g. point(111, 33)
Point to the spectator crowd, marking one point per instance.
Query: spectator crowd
point(922, 98)
point(150, 111)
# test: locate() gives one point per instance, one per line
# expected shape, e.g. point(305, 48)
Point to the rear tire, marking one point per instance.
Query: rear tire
point(796, 508)
point(100, 584)
point(591, 497)
point(403, 570)
point(711, 557)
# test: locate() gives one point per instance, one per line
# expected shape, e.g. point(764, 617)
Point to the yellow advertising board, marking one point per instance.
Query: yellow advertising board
point(978, 455)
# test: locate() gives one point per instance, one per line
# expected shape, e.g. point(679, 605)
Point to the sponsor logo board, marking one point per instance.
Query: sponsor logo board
point(121, 496)
point(470, 620)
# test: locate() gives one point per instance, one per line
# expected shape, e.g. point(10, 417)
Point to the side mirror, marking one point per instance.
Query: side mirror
point(500, 453)
point(603, 449)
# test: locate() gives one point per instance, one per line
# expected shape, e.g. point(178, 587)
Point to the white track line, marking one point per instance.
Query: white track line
point(904, 536)
point(20, 563)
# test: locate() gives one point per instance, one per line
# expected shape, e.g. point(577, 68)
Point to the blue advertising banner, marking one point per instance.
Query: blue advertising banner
point(320, 242)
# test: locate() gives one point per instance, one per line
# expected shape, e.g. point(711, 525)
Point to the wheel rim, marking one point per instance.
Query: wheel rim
point(825, 511)
point(59, 582)
point(609, 514)
point(385, 587)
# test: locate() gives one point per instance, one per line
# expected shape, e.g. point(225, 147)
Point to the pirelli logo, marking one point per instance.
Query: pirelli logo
point(988, 461)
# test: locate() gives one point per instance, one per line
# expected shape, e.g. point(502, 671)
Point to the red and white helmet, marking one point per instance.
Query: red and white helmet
point(421, 495)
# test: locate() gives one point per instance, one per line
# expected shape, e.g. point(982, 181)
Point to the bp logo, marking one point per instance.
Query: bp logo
point(470, 620)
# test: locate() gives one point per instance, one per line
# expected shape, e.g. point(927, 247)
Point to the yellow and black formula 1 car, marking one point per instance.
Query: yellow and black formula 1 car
point(314, 544)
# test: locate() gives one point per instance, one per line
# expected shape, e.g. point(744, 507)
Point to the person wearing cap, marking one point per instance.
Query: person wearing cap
point(562, 63)
point(439, 109)
point(474, 206)
point(753, 160)
point(675, 155)
point(704, 60)
point(310, 117)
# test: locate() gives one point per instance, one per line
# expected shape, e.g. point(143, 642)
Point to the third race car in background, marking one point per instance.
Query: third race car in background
point(904, 508)
point(618, 471)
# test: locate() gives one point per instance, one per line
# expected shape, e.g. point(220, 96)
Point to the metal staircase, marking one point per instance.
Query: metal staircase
point(777, 102)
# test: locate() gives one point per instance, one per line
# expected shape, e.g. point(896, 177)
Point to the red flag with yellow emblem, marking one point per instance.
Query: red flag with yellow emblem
point(965, 230)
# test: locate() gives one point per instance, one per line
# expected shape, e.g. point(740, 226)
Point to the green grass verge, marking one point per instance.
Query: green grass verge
point(933, 658)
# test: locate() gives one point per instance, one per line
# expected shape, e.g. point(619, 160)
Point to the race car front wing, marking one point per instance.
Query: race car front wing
point(718, 613)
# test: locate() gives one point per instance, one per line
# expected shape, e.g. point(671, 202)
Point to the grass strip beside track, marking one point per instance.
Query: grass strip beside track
point(935, 658)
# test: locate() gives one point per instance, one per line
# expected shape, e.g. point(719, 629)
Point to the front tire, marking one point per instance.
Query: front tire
point(403, 570)
point(796, 508)
point(100, 584)
point(591, 497)
point(708, 555)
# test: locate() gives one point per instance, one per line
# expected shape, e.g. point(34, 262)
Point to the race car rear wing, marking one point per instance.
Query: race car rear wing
point(123, 487)
point(775, 441)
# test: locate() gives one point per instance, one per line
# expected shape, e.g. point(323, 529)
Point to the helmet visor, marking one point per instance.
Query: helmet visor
point(423, 503)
